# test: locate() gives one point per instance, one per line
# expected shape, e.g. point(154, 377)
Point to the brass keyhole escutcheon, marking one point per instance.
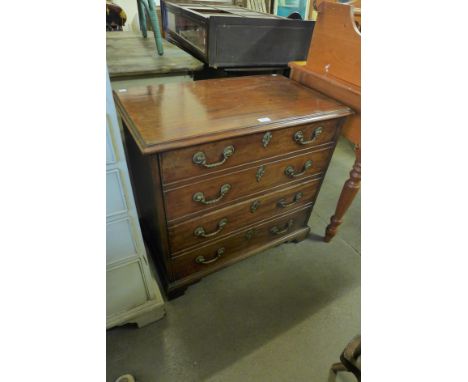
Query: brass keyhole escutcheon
point(260, 172)
point(250, 234)
point(254, 206)
point(266, 139)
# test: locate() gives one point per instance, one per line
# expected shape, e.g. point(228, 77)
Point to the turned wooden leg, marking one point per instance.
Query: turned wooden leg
point(349, 191)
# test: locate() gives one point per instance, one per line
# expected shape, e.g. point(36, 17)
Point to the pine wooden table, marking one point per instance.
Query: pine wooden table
point(130, 56)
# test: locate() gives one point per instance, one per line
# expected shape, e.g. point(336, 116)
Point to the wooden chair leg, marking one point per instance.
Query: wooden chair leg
point(349, 191)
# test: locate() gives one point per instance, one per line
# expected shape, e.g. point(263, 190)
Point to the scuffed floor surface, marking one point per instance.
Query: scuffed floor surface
point(282, 315)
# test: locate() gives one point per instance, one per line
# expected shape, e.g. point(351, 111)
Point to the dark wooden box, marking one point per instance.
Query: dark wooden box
point(236, 37)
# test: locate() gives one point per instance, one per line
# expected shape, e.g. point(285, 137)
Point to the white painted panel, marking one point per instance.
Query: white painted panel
point(110, 152)
point(130, 284)
point(125, 289)
point(115, 199)
point(119, 241)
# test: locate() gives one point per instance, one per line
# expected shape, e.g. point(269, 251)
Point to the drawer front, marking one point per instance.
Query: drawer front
point(219, 223)
point(208, 158)
point(215, 192)
point(216, 254)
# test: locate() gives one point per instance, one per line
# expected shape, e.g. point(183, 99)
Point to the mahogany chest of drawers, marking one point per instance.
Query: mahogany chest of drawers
point(223, 169)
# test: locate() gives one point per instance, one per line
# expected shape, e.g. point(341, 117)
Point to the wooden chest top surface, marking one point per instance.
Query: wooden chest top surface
point(171, 116)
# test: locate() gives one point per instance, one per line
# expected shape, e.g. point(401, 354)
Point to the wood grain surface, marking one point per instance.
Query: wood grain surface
point(178, 165)
point(170, 116)
point(334, 68)
point(265, 206)
point(234, 245)
point(180, 203)
point(166, 125)
point(335, 49)
point(129, 54)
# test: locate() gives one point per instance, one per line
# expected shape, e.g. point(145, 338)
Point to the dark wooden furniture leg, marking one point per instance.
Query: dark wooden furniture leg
point(349, 191)
point(172, 294)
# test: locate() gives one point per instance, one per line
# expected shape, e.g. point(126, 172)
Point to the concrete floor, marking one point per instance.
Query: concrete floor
point(282, 315)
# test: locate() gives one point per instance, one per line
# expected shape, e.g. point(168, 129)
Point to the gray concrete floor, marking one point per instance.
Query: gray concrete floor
point(282, 315)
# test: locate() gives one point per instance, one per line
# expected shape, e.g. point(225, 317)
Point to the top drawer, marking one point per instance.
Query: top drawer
point(207, 158)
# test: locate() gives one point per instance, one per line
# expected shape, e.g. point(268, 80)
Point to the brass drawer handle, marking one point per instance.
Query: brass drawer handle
point(201, 259)
point(289, 171)
point(299, 136)
point(199, 197)
point(282, 202)
point(200, 231)
point(200, 157)
point(277, 231)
